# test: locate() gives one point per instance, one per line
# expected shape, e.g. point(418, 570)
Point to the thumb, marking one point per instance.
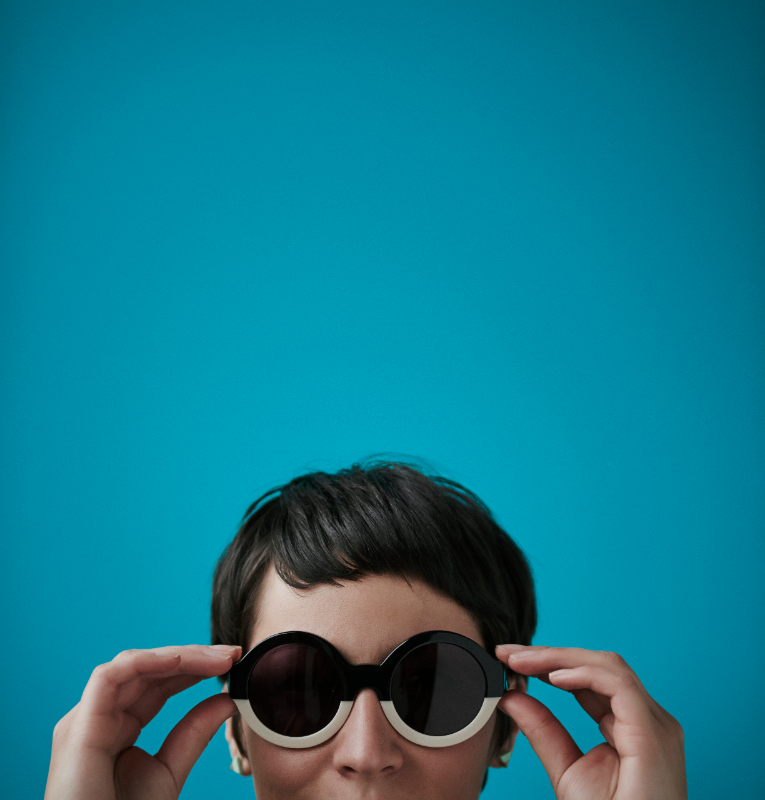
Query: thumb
point(548, 738)
point(186, 741)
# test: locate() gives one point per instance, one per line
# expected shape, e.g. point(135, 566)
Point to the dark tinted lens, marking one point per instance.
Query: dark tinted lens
point(438, 689)
point(295, 690)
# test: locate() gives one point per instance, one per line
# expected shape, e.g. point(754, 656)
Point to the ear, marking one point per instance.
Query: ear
point(506, 748)
point(239, 761)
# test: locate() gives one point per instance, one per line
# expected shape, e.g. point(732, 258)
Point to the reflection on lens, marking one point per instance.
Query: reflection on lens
point(295, 690)
point(438, 689)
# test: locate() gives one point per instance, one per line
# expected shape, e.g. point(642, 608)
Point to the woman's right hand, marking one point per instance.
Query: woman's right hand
point(94, 757)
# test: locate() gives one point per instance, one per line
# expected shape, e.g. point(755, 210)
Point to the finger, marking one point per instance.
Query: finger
point(102, 691)
point(110, 686)
point(186, 741)
point(548, 738)
point(627, 699)
point(593, 703)
point(504, 651)
point(541, 660)
point(152, 699)
point(606, 727)
point(144, 698)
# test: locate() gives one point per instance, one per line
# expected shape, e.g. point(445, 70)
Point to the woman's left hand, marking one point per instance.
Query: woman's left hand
point(643, 755)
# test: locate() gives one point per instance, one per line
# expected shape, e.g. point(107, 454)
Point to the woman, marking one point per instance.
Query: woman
point(401, 587)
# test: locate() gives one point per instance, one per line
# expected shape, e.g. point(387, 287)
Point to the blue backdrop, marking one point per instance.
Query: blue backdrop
point(522, 240)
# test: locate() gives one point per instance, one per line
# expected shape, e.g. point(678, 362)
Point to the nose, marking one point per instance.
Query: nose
point(367, 746)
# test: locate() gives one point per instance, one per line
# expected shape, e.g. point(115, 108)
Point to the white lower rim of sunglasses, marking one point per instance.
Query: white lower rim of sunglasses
point(343, 712)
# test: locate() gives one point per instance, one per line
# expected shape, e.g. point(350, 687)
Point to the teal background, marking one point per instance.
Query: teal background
point(524, 241)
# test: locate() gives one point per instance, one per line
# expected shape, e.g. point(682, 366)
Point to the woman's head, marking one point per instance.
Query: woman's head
point(366, 558)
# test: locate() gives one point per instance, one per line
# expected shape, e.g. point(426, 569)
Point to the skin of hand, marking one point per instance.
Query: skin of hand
point(643, 755)
point(94, 757)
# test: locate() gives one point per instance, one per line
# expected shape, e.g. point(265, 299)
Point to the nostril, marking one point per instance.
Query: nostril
point(367, 744)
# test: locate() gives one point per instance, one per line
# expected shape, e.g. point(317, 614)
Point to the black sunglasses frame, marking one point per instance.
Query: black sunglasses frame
point(362, 676)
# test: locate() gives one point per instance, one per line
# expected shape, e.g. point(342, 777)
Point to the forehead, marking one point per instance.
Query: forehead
point(364, 619)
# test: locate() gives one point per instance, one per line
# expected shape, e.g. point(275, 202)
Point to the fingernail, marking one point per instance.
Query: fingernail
point(511, 648)
point(228, 647)
point(166, 655)
point(524, 654)
point(216, 653)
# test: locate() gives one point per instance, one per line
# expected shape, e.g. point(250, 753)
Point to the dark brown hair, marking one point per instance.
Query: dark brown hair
point(377, 518)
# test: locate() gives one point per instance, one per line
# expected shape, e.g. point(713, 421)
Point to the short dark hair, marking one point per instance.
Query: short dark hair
point(381, 517)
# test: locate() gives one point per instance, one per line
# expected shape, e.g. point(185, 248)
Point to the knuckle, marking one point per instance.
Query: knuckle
point(614, 660)
point(100, 672)
point(63, 728)
point(59, 729)
point(676, 727)
point(625, 680)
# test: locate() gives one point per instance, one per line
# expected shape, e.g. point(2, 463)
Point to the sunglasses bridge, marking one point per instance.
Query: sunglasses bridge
point(367, 676)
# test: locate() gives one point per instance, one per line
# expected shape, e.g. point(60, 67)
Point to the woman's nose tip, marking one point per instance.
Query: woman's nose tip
point(367, 744)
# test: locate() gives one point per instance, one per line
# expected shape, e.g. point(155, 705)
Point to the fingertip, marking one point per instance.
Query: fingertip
point(224, 653)
point(511, 694)
point(507, 700)
point(508, 649)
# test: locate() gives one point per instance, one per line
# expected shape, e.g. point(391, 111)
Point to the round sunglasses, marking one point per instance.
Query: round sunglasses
point(436, 689)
